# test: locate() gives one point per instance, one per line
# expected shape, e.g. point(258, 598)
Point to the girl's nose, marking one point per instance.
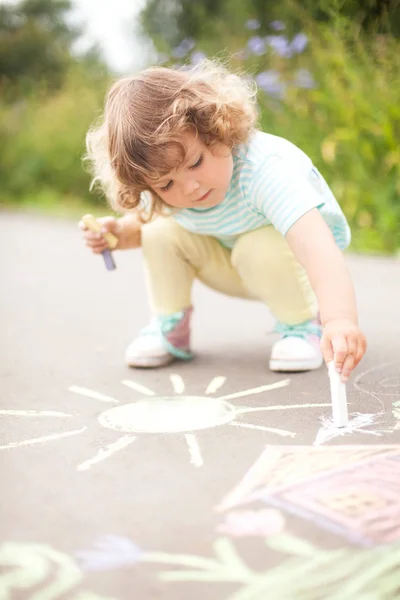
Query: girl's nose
point(190, 186)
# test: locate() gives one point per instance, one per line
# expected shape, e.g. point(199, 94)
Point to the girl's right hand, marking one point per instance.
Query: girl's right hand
point(95, 241)
point(125, 229)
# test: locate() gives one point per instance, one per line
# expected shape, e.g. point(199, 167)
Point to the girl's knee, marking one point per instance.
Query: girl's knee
point(160, 232)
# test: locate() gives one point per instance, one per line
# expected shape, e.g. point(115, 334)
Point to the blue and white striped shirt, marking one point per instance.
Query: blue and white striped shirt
point(273, 183)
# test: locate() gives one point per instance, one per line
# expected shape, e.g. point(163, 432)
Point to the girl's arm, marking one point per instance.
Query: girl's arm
point(314, 247)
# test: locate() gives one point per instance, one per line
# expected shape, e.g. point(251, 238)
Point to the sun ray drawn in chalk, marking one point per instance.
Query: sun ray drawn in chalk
point(43, 439)
point(34, 413)
point(153, 414)
point(177, 383)
point(177, 414)
point(215, 384)
point(187, 415)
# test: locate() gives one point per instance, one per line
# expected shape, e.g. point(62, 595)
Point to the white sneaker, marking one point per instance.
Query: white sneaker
point(148, 351)
point(293, 353)
point(163, 341)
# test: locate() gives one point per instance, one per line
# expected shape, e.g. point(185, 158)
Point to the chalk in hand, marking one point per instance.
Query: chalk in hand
point(108, 260)
point(111, 240)
point(339, 398)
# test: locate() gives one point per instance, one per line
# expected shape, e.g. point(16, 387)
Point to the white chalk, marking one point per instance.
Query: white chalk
point(339, 398)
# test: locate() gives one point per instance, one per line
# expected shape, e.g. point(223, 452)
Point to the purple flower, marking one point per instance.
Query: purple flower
point(256, 45)
point(197, 57)
point(299, 43)
point(252, 24)
point(280, 45)
point(304, 79)
point(267, 77)
point(179, 52)
point(264, 522)
point(269, 82)
point(111, 552)
point(277, 25)
point(183, 49)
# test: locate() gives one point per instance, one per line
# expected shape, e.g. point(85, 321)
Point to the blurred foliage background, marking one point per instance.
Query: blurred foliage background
point(328, 73)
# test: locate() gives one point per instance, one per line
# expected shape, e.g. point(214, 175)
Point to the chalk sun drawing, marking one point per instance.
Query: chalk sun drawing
point(152, 414)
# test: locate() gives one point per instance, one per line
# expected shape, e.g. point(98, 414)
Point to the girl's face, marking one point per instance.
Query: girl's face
point(201, 181)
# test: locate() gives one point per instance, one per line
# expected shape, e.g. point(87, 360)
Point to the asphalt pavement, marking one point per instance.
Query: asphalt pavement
point(214, 479)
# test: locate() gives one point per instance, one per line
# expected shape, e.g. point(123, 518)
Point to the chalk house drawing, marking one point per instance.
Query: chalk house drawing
point(353, 491)
point(350, 491)
point(179, 414)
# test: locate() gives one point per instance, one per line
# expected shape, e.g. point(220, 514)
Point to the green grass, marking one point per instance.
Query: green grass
point(71, 208)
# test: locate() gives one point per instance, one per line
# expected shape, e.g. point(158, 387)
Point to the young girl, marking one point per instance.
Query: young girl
point(207, 195)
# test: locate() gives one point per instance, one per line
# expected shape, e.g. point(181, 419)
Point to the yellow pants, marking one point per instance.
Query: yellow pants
point(261, 266)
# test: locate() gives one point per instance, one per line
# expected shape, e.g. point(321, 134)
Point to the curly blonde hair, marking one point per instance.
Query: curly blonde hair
point(147, 113)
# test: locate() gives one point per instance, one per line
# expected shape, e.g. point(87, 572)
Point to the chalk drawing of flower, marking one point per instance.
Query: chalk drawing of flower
point(41, 572)
point(110, 552)
point(345, 573)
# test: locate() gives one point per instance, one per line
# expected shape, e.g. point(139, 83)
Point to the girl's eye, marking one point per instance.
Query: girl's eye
point(198, 163)
point(169, 184)
point(166, 187)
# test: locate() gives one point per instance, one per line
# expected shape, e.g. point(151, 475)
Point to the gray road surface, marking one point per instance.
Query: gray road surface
point(272, 503)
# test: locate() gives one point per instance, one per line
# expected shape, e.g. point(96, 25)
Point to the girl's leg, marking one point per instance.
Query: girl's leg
point(173, 258)
point(271, 273)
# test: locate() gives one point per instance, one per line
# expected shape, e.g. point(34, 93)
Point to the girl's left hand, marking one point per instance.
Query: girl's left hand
point(344, 342)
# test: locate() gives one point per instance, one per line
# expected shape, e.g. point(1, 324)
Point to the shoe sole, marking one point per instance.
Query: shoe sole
point(292, 366)
point(150, 362)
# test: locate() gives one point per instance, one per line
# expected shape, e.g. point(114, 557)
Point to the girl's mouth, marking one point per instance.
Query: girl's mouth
point(203, 197)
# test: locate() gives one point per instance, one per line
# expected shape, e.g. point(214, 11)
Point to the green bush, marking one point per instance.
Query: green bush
point(349, 123)
point(337, 98)
point(44, 140)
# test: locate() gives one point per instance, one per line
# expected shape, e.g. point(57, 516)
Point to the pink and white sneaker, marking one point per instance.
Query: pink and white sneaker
point(164, 340)
point(299, 347)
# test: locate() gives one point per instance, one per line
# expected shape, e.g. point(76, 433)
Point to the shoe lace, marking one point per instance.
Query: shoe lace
point(162, 324)
point(299, 330)
point(168, 323)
